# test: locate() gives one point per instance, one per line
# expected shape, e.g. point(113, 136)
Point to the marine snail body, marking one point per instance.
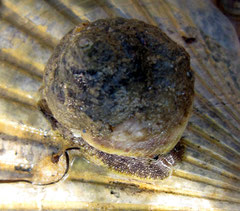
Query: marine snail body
point(125, 90)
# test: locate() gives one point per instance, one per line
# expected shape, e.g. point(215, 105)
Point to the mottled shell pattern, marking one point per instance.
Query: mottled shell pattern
point(209, 175)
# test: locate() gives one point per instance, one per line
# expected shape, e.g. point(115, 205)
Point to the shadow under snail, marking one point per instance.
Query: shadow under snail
point(122, 91)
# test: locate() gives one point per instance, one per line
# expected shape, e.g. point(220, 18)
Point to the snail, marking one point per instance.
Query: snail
point(122, 91)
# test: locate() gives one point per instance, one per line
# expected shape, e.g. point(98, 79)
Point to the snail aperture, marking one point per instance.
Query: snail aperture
point(126, 89)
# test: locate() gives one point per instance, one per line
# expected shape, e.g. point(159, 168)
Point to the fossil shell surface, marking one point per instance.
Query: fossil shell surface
point(209, 175)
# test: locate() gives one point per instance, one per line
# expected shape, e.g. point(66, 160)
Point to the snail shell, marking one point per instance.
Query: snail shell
point(125, 88)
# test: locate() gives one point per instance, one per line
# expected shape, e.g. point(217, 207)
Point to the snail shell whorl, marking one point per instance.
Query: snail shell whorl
point(123, 85)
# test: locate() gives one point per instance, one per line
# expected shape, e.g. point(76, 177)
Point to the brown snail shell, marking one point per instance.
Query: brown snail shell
point(123, 86)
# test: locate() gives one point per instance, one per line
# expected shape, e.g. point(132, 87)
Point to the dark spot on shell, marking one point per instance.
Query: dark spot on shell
point(55, 158)
point(189, 75)
point(57, 89)
point(60, 95)
point(111, 128)
point(71, 93)
point(189, 40)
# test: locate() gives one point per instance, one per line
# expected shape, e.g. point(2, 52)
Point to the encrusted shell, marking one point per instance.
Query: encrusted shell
point(111, 85)
point(208, 177)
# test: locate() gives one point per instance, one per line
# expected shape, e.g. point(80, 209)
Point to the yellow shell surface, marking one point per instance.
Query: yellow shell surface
point(209, 176)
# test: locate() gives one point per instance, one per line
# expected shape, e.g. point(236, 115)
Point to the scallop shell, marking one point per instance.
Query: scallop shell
point(208, 177)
